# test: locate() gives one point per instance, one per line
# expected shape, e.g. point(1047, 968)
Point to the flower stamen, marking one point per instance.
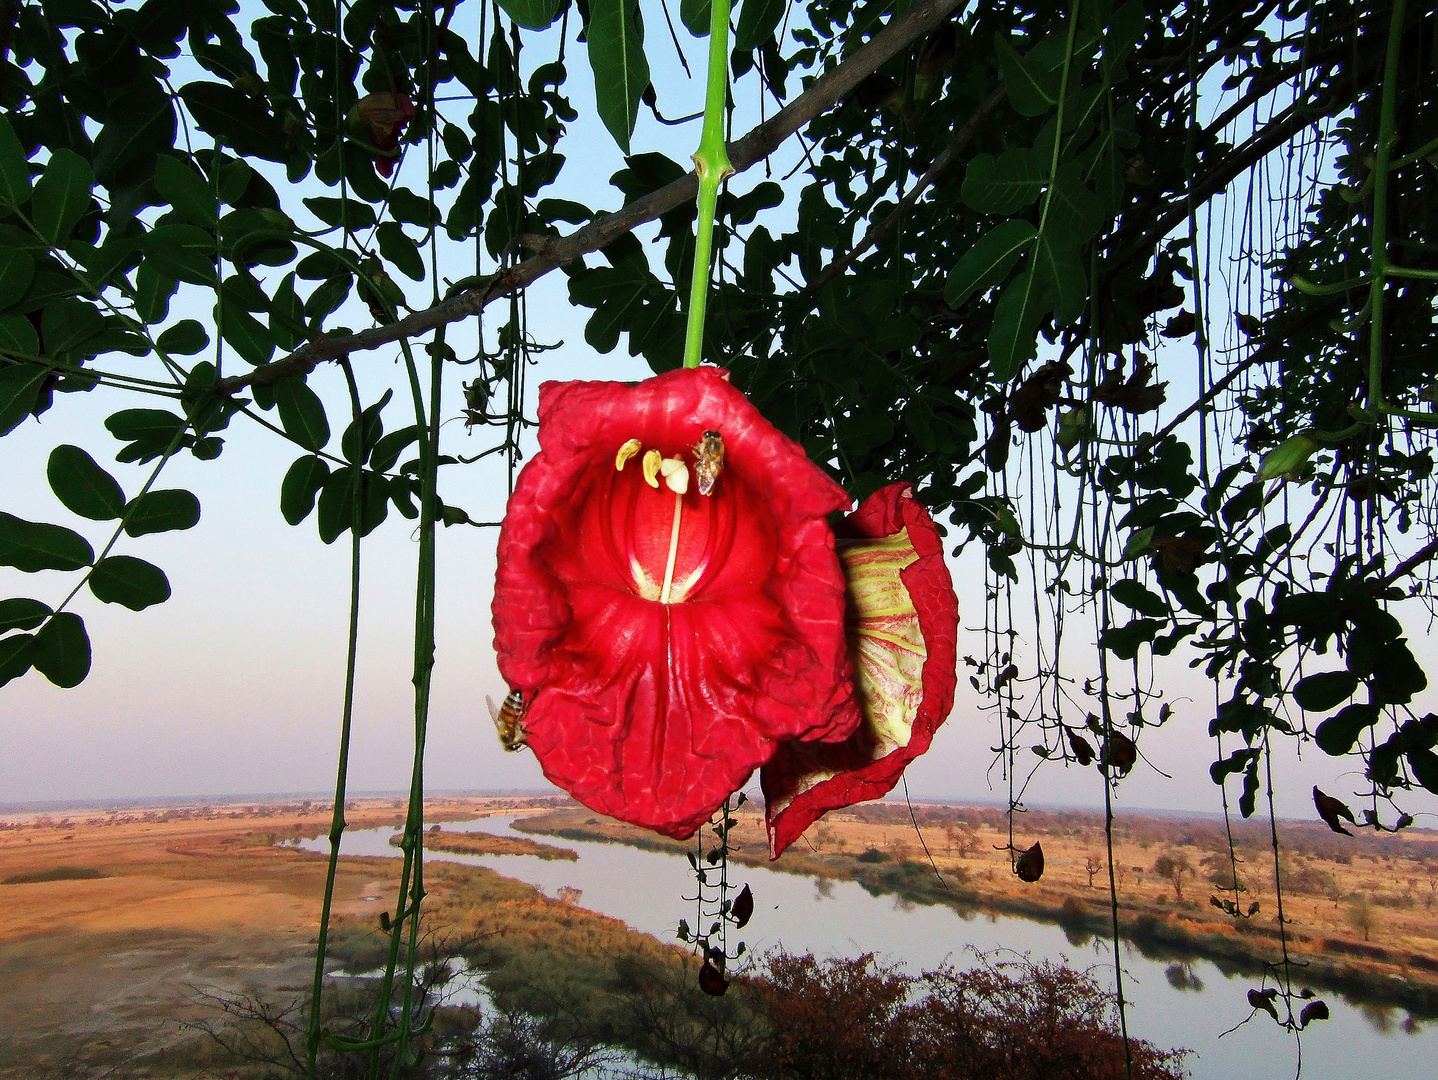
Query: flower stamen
point(652, 458)
point(627, 451)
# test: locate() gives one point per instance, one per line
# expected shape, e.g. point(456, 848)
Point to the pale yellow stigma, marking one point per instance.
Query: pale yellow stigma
point(676, 475)
point(627, 451)
point(652, 459)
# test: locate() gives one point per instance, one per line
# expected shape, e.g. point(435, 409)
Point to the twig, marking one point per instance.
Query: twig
point(752, 148)
point(940, 165)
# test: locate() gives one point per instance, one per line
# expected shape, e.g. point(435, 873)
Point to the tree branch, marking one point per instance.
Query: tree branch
point(1408, 565)
point(941, 164)
point(833, 86)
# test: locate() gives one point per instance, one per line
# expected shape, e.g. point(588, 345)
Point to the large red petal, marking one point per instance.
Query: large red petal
point(903, 630)
point(652, 712)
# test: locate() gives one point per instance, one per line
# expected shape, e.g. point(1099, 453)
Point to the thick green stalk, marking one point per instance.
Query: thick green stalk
point(1386, 135)
point(711, 163)
point(337, 816)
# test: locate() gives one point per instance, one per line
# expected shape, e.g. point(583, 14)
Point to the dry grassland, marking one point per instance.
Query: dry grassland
point(99, 965)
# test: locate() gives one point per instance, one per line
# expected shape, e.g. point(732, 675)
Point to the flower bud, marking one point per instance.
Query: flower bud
point(1288, 458)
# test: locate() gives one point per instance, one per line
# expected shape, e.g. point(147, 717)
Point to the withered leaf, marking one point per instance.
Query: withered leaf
point(1181, 325)
point(1120, 752)
point(743, 909)
point(1263, 999)
point(1133, 395)
point(1331, 809)
point(1314, 1010)
point(1250, 325)
point(711, 981)
point(1081, 747)
point(1179, 554)
point(1029, 866)
point(1036, 394)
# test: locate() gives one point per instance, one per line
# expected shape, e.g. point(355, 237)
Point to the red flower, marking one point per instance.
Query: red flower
point(381, 118)
point(665, 641)
point(903, 635)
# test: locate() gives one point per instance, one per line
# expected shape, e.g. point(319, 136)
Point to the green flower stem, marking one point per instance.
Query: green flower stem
point(1386, 135)
point(337, 816)
point(711, 163)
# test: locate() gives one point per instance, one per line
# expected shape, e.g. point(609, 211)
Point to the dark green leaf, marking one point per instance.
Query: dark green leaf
point(388, 449)
point(184, 252)
point(1424, 764)
point(302, 414)
point(69, 324)
point(236, 120)
point(134, 583)
point(14, 170)
point(61, 650)
point(1061, 277)
point(348, 212)
point(1124, 641)
point(17, 270)
point(1033, 89)
point(22, 614)
point(988, 262)
point(252, 339)
point(336, 505)
point(153, 291)
point(82, 486)
point(696, 16)
point(351, 445)
point(1012, 341)
point(187, 191)
point(15, 655)
point(19, 388)
point(1324, 691)
point(1005, 184)
point(301, 484)
point(162, 511)
point(150, 432)
point(758, 19)
point(1338, 734)
point(532, 14)
point(31, 546)
point(621, 72)
point(18, 337)
point(1074, 211)
point(406, 206)
point(1133, 594)
point(140, 124)
point(400, 250)
point(185, 338)
point(62, 196)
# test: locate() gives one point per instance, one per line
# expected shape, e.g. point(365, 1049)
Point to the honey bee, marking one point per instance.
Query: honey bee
point(509, 719)
point(709, 452)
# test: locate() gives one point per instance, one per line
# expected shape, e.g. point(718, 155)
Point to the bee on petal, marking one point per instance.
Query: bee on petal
point(509, 719)
point(709, 463)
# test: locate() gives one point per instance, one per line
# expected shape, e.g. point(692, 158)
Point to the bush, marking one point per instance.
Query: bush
point(54, 873)
point(872, 855)
point(1017, 1020)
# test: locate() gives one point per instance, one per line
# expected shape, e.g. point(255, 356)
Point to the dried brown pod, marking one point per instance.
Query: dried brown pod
point(1029, 866)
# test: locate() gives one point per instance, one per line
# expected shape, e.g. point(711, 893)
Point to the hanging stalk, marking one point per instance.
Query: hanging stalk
point(711, 164)
point(337, 816)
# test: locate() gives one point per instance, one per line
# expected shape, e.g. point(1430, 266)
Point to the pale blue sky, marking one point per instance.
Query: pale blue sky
point(233, 686)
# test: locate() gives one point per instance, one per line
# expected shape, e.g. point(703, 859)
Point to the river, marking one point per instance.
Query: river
point(1172, 1005)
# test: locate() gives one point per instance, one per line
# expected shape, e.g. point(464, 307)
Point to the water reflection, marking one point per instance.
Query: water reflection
point(1176, 999)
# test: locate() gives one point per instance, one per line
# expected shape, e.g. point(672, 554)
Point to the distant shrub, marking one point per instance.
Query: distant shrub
point(872, 855)
point(1016, 1020)
point(54, 873)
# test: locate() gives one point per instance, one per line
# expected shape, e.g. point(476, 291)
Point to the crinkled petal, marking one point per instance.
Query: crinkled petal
point(654, 712)
point(903, 639)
